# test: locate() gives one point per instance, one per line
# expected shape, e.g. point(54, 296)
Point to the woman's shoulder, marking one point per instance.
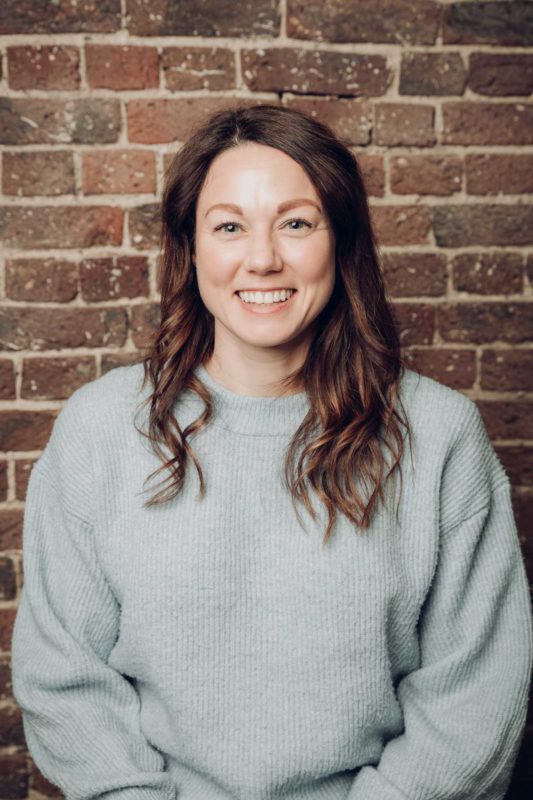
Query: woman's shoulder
point(435, 405)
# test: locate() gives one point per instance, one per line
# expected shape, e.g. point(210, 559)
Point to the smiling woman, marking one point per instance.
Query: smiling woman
point(215, 644)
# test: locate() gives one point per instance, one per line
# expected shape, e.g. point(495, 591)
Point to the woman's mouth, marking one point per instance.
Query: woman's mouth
point(267, 303)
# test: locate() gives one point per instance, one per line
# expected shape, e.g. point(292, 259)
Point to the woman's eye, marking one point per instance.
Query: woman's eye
point(226, 225)
point(298, 222)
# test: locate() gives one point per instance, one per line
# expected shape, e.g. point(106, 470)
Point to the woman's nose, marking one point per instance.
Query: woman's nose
point(262, 251)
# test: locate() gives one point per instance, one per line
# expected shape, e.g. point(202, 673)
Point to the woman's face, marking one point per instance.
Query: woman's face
point(260, 226)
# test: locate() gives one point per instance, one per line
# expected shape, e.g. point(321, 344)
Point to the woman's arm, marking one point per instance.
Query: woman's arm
point(80, 716)
point(465, 707)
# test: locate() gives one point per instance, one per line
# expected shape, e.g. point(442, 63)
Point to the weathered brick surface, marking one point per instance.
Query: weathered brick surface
point(118, 172)
point(209, 18)
point(433, 97)
point(38, 173)
point(404, 124)
point(499, 173)
point(55, 122)
point(27, 227)
point(43, 67)
point(432, 74)
point(500, 75)
point(421, 174)
point(122, 67)
point(487, 123)
point(285, 69)
point(394, 21)
point(190, 68)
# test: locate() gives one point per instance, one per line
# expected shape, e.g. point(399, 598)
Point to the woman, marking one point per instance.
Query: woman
point(210, 642)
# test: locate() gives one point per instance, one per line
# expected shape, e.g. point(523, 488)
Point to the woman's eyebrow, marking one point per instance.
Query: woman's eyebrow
point(286, 206)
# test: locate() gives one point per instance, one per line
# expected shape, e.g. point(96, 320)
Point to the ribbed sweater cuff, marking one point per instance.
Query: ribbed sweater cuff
point(370, 783)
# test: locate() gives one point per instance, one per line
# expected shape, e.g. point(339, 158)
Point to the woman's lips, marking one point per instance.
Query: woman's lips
point(264, 308)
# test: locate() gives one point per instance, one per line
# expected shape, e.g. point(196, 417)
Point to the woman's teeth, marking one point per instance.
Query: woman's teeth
point(263, 298)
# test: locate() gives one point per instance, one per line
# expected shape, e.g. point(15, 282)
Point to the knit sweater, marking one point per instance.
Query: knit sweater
point(216, 649)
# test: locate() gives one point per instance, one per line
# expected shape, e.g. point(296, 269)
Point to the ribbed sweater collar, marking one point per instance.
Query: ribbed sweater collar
point(255, 416)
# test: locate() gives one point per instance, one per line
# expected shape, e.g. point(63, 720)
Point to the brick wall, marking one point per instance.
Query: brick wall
point(95, 96)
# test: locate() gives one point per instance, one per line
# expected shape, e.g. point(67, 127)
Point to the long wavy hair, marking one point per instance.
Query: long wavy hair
point(353, 367)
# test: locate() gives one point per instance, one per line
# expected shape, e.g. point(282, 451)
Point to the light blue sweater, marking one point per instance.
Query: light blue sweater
point(208, 650)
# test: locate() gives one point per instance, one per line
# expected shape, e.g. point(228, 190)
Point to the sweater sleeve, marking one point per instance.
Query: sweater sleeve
point(465, 706)
point(80, 716)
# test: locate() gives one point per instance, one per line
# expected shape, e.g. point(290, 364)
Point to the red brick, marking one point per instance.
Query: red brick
point(110, 278)
point(56, 328)
point(14, 775)
point(507, 419)
point(55, 378)
point(453, 368)
point(121, 358)
point(208, 18)
point(23, 467)
point(507, 370)
point(81, 121)
point(41, 280)
point(7, 390)
point(61, 16)
point(25, 429)
point(191, 68)
point(38, 173)
point(416, 322)
point(8, 591)
point(500, 75)
point(488, 273)
point(6, 684)
point(287, 69)
point(517, 461)
point(60, 226)
point(43, 67)
point(350, 119)
point(122, 67)
point(432, 74)
point(489, 22)
point(414, 274)
point(393, 21)
point(499, 173)
point(145, 319)
point(431, 174)
point(169, 120)
point(487, 123)
point(405, 224)
point(404, 124)
point(144, 225)
point(460, 226)
point(478, 323)
point(373, 172)
point(118, 172)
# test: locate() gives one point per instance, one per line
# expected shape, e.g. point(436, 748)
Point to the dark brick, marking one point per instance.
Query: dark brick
point(85, 121)
point(7, 392)
point(55, 378)
point(487, 123)
point(110, 278)
point(518, 463)
point(507, 23)
point(61, 16)
point(507, 419)
point(488, 273)
point(416, 322)
point(373, 21)
point(47, 67)
point(507, 370)
point(398, 124)
point(401, 225)
point(40, 173)
point(145, 319)
point(56, 226)
point(500, 75)
point(41, 280)
point(14, 775)
point(208, 18)
point(499, 173)
point(460, 226)
point(414, 274)
point(191, 68)
point(286, 69)
point(121, 67)
point(144, 224)
point(55, 328)
point(8, 588)
point(478, 323)
point(23, 467)
point(373, 172)
point(421, 174)
point(350, 119)
point(432, 74)
point(453, 368)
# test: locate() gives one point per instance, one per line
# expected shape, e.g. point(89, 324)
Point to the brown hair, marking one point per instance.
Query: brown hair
point(353, 367)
